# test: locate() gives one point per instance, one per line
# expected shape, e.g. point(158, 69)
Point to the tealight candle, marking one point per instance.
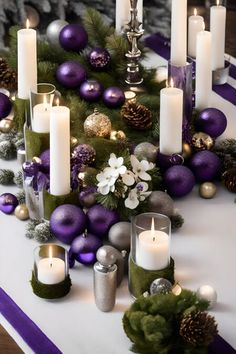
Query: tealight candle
point(51, 270)
point(217, 28)
point(41, 117)
point(130, 96)
point(195, 25)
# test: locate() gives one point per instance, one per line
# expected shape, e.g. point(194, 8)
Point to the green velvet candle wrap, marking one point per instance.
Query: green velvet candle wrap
point(51, 202)
point(50, 291)
point(140, 279)
point(35, 143)
point(21, 113)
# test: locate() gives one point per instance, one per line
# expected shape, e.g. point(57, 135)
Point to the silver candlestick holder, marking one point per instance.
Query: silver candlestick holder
point(133, 33)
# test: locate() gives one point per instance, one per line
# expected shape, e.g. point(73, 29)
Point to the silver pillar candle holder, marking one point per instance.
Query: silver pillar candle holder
point(133, 33)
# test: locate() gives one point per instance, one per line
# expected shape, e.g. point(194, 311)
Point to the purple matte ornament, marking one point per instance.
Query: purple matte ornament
point(99, 58)
point(5, 106)
point(70, 74)
point(8, 203)
point(87, 197)
point(100, 219)
point(205, 165)
point(211, 121)
point(45, 158)
point(67, 221)
point(91, 90)
point(73, 37)
point(113, 97)
point(179, 181)
point(84, 248)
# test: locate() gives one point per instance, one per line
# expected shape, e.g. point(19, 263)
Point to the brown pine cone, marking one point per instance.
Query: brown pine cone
point(198, 328)
point(136, 115)
point(8, 76)
point(229, 179)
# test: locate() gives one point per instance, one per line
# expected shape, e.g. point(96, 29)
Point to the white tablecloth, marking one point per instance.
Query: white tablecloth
point(204, 252)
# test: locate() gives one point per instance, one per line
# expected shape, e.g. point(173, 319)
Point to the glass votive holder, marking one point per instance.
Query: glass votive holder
point(50, 276)
point(40, 105)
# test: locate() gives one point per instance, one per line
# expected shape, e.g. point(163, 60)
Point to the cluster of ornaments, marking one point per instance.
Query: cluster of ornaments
point(72, 75)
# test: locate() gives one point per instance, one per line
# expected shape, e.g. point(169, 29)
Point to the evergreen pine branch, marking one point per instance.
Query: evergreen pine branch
point(46, 72)
point(96, 28)
point(12, 57)
point(109, 201)
point(117, 47)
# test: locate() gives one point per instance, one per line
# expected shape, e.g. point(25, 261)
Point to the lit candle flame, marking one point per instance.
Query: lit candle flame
point(171, 83)
point(50, 255)
point(203, 26)
point(218, 2)
point(27, 23)
point(57, 102)
point(195, 12)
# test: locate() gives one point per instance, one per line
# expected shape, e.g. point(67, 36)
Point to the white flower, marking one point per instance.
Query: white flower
point(116, 165)
point(128, 178)
point(106, 181)
point(140, 168)
point(139, 193)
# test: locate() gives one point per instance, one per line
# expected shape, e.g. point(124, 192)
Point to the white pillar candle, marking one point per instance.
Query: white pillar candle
point(51, 270)
point(179, 32)
point(59, 150)
point(171, 119)
point(27, 61)
point(153, 249)
point(41, 117)
point(195, 25)
point(203, 70)
point(123, 13)
point(217, 28)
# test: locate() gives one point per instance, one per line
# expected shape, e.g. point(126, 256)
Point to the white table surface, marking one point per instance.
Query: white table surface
point(204, 251)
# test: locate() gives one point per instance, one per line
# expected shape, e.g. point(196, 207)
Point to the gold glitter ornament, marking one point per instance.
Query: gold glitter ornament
point(6, 125)
point(22, 212)
point(202, 141)
point(97, 125)
point(186, 151)
point(37, 160)
point(73, 142)
point(207, 190)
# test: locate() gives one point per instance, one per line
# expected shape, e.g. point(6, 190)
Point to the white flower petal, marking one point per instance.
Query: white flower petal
point(128, 178)
point(131, 203)
point(122, 170)
point(120, 161)
point(143, 185)
point(144, 165)
point(144, 176)
point(104, 190)
point(134, 162)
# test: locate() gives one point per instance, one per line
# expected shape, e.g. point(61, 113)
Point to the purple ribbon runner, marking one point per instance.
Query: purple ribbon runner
point(26, 328)
point(161, 46)
point(220, 346)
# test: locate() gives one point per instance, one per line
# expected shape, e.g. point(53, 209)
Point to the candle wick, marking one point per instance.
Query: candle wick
point(50, 265)
point(154, 239)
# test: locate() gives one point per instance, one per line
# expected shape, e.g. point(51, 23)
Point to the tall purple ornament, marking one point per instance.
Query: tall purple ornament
point(211, 121)
point(8, 203)
point(99, 58)
point(5, 106)
point(205, 165)
point(100, 219)
point(91, 90)
point(113, 97)
point(179, 181)
point(73, 37)
point(71, 74)
point(84, 248)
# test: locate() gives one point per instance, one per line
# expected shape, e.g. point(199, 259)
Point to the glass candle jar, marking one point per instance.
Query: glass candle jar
point(40, 105)
point(150, 241)
point(50, 264)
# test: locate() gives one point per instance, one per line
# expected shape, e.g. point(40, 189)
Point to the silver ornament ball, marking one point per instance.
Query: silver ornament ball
point(106, 256)
point(53, 31)
point(32, 15)
point(160, 286)
point(119, 235)
point(208, 293)
point(207, 190)
point(160, 202)
point(146, 151)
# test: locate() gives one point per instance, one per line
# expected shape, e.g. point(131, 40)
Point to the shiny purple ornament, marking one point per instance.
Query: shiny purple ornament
point(99, 58)
point(113, 97)
point(91, 90)
point(73, 37)
point(212, 122)
point(8, 203)
point(100, 219)
point(179, 181)
point(84, 248)
point(5, 106)
point(206, 166)
point(71, 74)
point(166, 161)
point(67, 221)
point(45, 158)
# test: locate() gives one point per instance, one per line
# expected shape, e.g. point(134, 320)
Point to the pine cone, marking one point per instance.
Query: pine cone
point(137, 115)
point(8, 76)
point(229, 179)
point(198, 328)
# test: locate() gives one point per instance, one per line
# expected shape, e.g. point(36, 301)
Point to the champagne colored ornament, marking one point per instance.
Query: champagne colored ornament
point(207, 190)
point(160, 202)
point(97, 125)
point(73, 142)
point(53, 31)
point(208, 293)
point(202, 141)
point(186, 151)
point(22, 212)
point(6, 125)
point(146, 151)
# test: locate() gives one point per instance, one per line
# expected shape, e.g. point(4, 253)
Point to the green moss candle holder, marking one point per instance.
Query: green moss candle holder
point(35, 143)
point(51, 202)
point(54, 291)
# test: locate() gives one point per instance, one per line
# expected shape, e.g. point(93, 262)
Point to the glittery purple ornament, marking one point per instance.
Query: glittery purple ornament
point(84, 248)
point(179, 181)
point(99, 58)
point(8, 203)
point(5, 106)
point(67, 221)
point(45, 158)
point(84, 154)
point(100, 219)
point(87, 197)
point(113, 97)
point(70, 74)
point(91, 90)
point(211, 121)
point(205, 165)
point(73, 37)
